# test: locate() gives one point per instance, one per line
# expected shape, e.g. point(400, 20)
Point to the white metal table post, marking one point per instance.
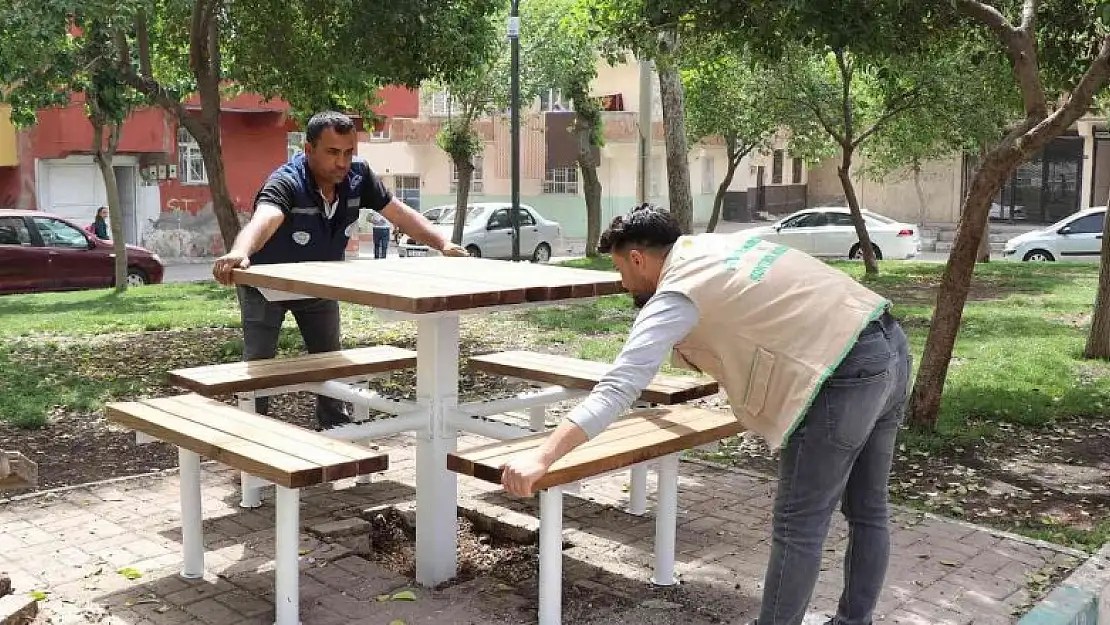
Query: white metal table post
point(666, 521)
point(287, 539)
point(192, 517)
point(437, 391)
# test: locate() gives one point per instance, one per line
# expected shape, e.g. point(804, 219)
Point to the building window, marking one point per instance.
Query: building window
point(443, 104)
point(407, 189)
point(708, 175)
point(294, 144)
point(776, 167)
point(561, 180)
point(381, 133)
point(658, 174)
point(797, 177)
point(476, 185)
point(190, 163)
point(552, 100)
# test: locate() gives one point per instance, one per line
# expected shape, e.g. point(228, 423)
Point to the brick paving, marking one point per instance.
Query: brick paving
point(72, 543)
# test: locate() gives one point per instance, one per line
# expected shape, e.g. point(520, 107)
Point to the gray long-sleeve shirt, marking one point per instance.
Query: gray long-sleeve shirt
point(664, 321)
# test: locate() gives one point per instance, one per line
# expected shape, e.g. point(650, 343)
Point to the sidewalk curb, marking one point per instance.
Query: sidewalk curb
point(1076, 600)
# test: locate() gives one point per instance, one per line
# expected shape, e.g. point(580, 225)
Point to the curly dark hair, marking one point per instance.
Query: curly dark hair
point(340, 123)
point(645, 226)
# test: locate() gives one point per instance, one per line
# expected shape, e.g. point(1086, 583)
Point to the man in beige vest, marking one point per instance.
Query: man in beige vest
point(810, 359)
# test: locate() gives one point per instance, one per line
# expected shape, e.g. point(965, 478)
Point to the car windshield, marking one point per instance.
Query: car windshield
point(448, 216)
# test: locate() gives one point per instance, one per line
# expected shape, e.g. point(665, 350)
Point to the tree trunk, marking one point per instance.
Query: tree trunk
point(104, 157)
point(584, 127)
point(922, 211)
point(465, 169)
point(866, 249)
point(679, 198)
point(722, 189)
point(983, 255)
point(1098, 340)
point(952, 294)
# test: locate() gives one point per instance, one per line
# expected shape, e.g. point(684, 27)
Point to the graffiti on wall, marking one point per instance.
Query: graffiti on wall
point(187, 228)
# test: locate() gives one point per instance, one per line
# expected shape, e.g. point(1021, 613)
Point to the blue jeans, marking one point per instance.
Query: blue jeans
point(842, 452)
point(381, 242)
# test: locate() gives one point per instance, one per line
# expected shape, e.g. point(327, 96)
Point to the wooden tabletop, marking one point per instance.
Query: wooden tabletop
point(432, 284)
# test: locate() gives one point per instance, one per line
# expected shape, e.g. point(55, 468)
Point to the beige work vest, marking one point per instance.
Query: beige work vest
point(773, 324)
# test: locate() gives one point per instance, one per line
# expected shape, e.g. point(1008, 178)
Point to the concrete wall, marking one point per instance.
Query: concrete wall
point(897, 195)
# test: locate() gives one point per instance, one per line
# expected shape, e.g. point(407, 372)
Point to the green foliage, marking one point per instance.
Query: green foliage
point(459, 141)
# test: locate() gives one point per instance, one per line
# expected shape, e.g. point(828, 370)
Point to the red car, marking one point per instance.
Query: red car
point(44, 252)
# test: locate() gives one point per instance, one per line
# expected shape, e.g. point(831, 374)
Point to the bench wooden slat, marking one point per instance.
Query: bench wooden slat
point(284, 437)
point(255, 375)
point(581, 374)
point(646, 435)
point(246, 455)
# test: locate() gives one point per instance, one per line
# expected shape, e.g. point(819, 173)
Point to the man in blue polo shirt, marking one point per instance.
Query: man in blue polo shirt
point(307, 211)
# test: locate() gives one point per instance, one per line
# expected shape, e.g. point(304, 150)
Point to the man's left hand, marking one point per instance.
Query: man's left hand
point(453, 249)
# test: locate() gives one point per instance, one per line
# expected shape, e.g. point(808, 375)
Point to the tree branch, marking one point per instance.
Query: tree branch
point(909, 99)
point(1093, 80)
point(142, 39)
point(846, 93)
point(1020, 47)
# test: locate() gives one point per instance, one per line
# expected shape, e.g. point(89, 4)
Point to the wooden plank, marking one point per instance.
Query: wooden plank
point(422, 285)
point(338, 459)
point(605, 453)
point(581, 374)
point(238, 377)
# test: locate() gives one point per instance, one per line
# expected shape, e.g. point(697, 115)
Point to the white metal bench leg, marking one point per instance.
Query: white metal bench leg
point(361, 411)
point(537, 418)
point(250, 491)
point(192, 530)
point(637, 489)
point(551, 556)
point(666, 521)
point(287, 539)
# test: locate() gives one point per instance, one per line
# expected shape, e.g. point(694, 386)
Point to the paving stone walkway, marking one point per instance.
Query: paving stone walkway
point(72, 544)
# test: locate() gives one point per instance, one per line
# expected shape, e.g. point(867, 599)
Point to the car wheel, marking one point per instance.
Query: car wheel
point(136, 277)
point(857, 254)
point(542, 253)
point(1039, 256)
point(474, 251)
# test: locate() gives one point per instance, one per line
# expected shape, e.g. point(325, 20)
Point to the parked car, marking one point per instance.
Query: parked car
point(44, 252)
point(1076, 237)
point(488, 233)
point(828, 231)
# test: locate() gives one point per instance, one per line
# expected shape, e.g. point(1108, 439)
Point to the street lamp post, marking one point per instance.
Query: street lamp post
point(514, 123)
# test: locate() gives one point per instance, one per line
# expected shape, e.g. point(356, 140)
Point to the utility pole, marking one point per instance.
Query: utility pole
point(643, 172)
point(514, 123)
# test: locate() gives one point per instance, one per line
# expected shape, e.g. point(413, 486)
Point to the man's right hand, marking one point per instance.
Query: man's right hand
point(221, 271)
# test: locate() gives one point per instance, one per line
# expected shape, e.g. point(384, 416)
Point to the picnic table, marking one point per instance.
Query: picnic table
point(434, 292)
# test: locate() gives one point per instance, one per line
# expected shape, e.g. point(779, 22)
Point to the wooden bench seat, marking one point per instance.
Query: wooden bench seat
point(576, 373)
point(655, 434)
point(284, 454)
point(258, 375)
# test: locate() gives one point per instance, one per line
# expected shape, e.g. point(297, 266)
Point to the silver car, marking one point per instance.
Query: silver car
point(488, 233)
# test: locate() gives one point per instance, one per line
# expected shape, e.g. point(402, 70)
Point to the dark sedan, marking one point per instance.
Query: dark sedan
point(44, 252)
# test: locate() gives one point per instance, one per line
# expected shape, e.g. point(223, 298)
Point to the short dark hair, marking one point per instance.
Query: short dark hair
point(320, 122)
point(646, 226)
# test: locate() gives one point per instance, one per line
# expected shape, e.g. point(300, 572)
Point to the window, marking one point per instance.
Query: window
point(708, 175)
point(56, 233)
point(840, 219)
point(476, 185)
point(797, 174)
point(442, 104)
point(381, 133)
point(776, 167)
point(13, 231)
point(561, 180)
point(524, 217)
point(805, 220)
point(552, 100)
point(190, 163)
point(407, 189)
point(294, 144)
point(499, 220)
point(1089, 224)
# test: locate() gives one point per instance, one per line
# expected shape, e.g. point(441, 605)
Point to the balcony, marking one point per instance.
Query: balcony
point(9, 155)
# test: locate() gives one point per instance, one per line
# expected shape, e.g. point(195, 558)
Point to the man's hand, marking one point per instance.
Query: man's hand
point(221, 271)
point(519, 475)
point(451, 249)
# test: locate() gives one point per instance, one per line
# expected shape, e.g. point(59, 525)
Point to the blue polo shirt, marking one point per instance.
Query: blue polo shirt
point(308, 233)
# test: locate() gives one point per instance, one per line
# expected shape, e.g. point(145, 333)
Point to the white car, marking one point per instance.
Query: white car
point(827, 231)
point(1076, 237)
point(488, 233)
